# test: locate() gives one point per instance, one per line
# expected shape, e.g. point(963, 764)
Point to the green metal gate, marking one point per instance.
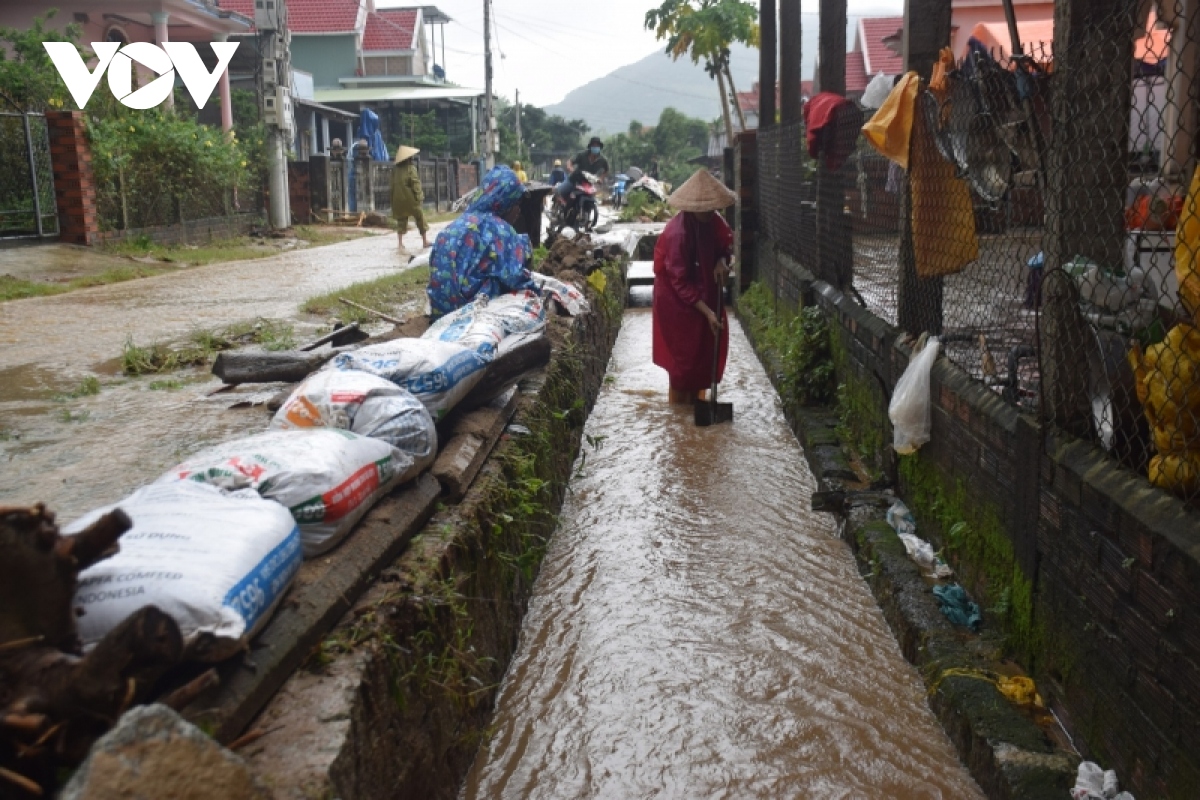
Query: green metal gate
point(27, 206)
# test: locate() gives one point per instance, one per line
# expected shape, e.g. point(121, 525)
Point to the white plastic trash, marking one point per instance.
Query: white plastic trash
point(216, 562)
point(1092, 782)
point(909, 409)
point(365, 404)
point(326, 478)
point(877, 91)
point(568, 296)
point(439, 374)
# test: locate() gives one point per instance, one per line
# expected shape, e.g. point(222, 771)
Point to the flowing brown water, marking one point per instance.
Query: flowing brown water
point(696, 631)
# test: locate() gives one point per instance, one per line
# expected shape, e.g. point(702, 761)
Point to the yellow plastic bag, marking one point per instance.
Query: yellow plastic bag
point(890, 130)
point(1176, 473)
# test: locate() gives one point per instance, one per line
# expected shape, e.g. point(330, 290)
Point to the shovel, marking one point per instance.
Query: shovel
point(710, 412)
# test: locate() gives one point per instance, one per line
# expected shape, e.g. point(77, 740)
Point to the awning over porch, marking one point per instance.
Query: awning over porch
point(382, 94)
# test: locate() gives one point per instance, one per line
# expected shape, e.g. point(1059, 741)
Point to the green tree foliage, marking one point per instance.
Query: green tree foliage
point(422, 131)
point(675, 139)
point(28, 78)
point(540, 132)
point(704, 30)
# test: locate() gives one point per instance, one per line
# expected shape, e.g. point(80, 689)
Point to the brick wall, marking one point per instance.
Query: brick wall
point(192, 231)
point(74, 186)
point(1094, 573)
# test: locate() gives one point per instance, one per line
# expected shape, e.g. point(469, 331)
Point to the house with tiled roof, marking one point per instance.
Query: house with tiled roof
point(748, 101)
point(878, 43)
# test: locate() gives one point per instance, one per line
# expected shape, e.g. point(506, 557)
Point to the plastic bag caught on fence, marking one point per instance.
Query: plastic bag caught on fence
point(439, 374)
point(909, 409)
point(327, 478)
point(365, 404)
point(216, 562)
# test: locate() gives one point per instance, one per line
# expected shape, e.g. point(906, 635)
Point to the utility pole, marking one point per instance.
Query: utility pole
point(489, 115)
point(518, 93)
point(276, 85)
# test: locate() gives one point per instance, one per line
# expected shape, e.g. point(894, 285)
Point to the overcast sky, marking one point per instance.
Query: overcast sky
point(546, 48)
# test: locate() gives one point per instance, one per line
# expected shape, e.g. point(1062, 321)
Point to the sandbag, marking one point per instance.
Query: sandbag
point(568, 296)
point(484, 322)
point(439, 374)
point(216, 562)
point(365, 404)
point(327, 478)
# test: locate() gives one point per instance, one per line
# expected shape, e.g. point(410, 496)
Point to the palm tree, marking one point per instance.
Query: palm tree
point(703, 30)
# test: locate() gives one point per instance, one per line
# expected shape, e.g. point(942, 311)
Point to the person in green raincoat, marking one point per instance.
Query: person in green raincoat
point(407, 195)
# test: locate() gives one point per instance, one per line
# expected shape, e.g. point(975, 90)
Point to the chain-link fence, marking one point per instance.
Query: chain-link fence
point(1044, 222)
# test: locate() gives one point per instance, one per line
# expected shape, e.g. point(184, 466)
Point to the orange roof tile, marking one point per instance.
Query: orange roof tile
point(308, 16)
point(877, 55)
point(390, 29)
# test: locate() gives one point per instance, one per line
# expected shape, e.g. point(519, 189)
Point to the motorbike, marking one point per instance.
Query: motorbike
point(618, 190)
point(579, 209)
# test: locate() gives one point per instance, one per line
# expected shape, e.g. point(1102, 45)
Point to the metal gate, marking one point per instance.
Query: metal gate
point(27, 206)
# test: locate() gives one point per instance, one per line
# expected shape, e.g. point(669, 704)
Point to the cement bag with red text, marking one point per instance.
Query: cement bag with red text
point(327, 478)
point(909, 410)
point(216, 562)
point(439, 374)
point(365, 404)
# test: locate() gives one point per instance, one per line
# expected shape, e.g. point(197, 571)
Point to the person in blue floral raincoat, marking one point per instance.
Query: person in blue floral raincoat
point(480, 252)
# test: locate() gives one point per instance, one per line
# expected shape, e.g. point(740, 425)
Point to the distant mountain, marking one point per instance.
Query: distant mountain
point(643, 89)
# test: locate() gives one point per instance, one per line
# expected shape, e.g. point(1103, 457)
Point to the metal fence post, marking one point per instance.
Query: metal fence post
point(835, 247)
point(919, 300)
point(37, 201)
point(789, 61)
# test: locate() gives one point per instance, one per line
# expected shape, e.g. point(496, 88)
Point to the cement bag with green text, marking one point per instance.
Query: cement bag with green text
point(365, 404)
point(909, 410)
point(439, 374)
point(216, 562)
point(327, 478)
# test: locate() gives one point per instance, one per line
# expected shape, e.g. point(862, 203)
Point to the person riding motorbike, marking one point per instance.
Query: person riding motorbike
point(558, 174)
point(589, 161)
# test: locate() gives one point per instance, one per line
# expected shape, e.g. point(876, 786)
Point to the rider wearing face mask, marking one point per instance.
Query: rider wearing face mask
point(590, 160)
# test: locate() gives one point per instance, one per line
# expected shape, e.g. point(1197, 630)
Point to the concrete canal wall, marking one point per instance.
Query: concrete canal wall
point(1091, 575)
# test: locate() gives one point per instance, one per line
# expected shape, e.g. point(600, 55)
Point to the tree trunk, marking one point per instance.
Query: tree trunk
point(725, 107)
point(736, 105)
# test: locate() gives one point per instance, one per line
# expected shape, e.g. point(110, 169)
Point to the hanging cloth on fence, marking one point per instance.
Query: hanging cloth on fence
point(890, 130)
point(943, 216)
point(823, 131)
point(1187, 250)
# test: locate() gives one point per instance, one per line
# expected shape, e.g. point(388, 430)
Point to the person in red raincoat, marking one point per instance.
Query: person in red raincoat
point(691, 262)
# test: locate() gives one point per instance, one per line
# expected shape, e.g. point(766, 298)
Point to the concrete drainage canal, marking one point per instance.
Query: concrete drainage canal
point(695, 630)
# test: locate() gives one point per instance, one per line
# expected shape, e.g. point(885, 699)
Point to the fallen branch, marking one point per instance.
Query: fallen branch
point(380, 314)
point(184, 695)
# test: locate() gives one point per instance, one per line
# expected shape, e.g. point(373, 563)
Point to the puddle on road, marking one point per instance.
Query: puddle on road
point(696, 631)
point(75, 454)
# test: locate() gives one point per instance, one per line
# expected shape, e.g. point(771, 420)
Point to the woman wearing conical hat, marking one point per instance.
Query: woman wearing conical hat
point(691, 262)
point(407, 195)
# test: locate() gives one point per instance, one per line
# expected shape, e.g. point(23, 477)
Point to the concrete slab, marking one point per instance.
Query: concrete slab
point(640, 273)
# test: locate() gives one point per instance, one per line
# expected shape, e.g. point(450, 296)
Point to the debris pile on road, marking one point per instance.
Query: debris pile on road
point(579, 256)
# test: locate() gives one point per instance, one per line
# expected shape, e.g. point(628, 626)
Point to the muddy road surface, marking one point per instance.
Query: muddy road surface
point(696, 631)
point(74, 446)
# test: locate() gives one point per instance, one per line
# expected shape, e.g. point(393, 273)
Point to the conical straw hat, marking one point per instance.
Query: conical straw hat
point(404, 153)
point(702, 192)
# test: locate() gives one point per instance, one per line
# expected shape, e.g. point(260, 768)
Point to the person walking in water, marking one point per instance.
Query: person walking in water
point(691, 263)
point(407, 195)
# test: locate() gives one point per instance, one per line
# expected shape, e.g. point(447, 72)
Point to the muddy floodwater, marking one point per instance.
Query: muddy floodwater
point(696, 631)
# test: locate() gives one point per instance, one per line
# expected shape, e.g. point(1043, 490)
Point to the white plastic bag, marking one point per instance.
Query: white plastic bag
point(365, 404)
point(568, 296)
point(439, 374)
point(1092, 782)
point(909, 410)
point(877, 91)
point(216, 562)
point(327, 478)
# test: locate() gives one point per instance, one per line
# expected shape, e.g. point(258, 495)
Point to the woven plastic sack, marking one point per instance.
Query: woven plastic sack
point(327, 478)
point(439, 374)
point(909, 410)
point(486, 321)
point(568, 296)
point(365, 404)
point(216, 562)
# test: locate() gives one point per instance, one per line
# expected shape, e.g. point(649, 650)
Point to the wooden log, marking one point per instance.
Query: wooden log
point(288, 366)
point(470, 442)
point(343, 335)
point(506, 370)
